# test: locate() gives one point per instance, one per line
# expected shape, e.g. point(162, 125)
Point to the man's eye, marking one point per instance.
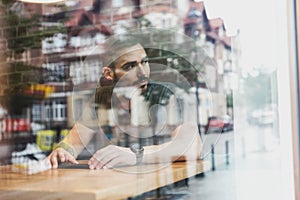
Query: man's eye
point(144, 61)
point(128, 67)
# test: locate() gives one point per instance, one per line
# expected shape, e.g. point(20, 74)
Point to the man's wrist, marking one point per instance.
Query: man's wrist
point(66, 147)
point(138, 150)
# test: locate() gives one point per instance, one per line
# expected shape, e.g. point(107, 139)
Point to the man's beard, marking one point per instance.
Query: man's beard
point(104, 91)
point(140, 82)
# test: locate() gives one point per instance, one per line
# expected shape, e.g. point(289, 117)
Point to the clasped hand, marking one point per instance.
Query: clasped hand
point(111, 156)
point(106, 157)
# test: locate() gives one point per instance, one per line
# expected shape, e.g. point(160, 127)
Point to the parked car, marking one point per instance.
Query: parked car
point(219, 124)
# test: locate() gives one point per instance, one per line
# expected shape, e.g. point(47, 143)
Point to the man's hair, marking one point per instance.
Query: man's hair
point(118, 43)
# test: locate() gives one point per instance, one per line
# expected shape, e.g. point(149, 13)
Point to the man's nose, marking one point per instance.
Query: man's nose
point(140, 70)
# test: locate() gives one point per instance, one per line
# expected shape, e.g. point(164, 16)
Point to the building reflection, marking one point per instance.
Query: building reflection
point(53, 67)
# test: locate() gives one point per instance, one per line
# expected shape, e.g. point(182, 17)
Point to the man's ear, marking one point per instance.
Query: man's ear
point(108, 73)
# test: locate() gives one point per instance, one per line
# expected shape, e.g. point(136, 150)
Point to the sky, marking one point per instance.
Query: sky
point(260, 24)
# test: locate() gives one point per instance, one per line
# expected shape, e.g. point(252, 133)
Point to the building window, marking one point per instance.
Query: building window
point(87, 40)
point(78, 108)
point(47, 112)
point(59, 110)
point(54, 72)
point(36, 112)
point(83, 72)
point(55, 111)
point(54, 44)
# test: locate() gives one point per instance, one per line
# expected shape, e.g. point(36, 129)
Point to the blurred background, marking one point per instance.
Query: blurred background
point(238, 92)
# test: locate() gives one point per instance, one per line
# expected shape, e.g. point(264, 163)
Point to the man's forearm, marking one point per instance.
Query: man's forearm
point(185, 145)
point(78, 138)
point(69, 148)
point(170, 152)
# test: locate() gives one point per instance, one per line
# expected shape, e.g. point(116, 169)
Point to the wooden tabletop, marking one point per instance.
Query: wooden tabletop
point(72, 184)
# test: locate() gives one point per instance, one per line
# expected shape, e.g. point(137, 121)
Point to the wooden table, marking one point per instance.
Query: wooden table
point(85, 184)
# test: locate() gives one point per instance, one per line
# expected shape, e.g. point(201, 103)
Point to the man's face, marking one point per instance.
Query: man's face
point(132, 67)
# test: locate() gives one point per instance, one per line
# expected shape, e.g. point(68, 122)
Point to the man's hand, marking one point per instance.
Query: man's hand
point(111, 156)
point(61, 155)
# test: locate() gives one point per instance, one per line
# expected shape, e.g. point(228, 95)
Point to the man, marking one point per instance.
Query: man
point(128, 67)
